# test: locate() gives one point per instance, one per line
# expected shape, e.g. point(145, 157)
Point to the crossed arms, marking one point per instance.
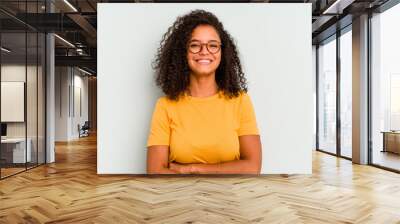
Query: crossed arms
point(249, 163)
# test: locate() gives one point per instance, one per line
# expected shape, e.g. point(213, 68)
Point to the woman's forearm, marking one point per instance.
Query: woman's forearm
point(232, 167)
point(167, 171)
point(163, 170)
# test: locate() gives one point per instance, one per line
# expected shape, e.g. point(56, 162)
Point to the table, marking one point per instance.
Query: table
point(391, 141)
point(15, 148)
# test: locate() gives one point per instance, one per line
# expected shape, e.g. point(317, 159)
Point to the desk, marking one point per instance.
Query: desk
point(391, 141)
point(15, 148)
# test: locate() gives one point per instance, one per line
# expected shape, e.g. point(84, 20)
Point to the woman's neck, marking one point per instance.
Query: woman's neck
point(202, 86)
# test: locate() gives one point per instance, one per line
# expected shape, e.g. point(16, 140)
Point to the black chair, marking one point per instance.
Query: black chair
point(84, 130)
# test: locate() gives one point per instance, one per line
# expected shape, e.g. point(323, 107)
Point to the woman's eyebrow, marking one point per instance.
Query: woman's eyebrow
point(200, 40)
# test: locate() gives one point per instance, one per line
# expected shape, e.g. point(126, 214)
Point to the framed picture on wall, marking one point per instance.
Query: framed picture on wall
point(12, 101)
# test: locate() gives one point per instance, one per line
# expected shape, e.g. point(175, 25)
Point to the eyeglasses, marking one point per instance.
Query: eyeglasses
point(196, 46)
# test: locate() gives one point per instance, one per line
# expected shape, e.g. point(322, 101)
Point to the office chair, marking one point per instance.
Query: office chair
point(84, 130)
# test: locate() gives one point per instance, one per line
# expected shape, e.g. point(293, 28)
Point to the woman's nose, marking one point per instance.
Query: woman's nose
point(203, 50)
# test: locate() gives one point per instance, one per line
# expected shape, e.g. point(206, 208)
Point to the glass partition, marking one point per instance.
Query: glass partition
point(327, 96)
point(385, 89)
point(22, 77)
point(41, 91)
point(13, 110)
point(346, 94)
point(32, 95)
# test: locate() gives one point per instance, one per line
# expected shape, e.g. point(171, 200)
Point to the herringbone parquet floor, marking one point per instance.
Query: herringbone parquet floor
point(70, 191)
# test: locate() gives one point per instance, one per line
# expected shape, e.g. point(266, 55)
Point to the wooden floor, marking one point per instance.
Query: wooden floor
point(9, 171)
point(387, 159)
point(70, 191)
point(5, 172)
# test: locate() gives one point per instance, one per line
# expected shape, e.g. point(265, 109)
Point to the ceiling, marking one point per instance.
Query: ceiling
point(76, 22)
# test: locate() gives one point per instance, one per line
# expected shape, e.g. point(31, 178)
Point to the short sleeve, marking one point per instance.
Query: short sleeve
point(248, 123)
point(160, 125)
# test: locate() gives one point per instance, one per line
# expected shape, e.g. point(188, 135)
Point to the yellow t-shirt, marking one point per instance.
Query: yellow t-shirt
point(202, 130)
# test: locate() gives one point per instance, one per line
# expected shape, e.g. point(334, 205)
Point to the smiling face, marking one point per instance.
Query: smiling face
point(206, 39)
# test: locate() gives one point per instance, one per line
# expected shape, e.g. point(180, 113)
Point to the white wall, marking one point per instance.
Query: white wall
point(68, 81)
point(274, 42)
point(80, 84)
point(61, 103)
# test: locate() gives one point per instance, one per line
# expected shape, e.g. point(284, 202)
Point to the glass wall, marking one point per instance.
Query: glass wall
point(13, 90)
point(22, 87)
point(327, 96)
point(41, 97)
point(31, 104)
point(346, 93)
point(385, 89)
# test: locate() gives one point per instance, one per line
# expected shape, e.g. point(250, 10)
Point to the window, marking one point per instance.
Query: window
point(327, 96)
point(346, 93)
point(385, 89)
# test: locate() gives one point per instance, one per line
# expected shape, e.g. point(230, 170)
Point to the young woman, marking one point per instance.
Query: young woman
point(205, 123)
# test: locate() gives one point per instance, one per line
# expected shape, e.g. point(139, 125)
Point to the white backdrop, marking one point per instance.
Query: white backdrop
point(274, 41)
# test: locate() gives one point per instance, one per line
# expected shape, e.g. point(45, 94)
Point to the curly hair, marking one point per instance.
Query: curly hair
point(171, 65)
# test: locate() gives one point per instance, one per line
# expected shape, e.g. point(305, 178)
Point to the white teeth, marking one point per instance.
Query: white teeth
point(204, 61)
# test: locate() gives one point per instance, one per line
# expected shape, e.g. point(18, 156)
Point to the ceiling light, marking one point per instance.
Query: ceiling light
point(337, 7)
point(79, 51)
point(331, 7)
point(84, 71)
point(5, 50)
point(64, 40)
point(70, 5)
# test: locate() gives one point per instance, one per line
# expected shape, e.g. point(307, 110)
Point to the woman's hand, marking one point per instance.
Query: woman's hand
point(181, 168)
